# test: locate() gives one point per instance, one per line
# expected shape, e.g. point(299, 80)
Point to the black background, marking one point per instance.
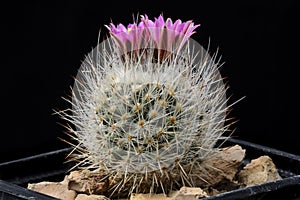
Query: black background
point(44, 43)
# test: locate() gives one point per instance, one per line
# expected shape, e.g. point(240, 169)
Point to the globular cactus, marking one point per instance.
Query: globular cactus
point(148, 106)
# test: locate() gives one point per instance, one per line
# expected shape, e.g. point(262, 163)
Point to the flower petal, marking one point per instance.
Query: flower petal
point(159, 22)
point(169, 23)
point(162, 33)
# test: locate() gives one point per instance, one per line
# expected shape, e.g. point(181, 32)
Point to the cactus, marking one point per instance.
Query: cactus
point(148, 106)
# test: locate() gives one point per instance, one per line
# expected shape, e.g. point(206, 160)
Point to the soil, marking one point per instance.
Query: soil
point(224, 171)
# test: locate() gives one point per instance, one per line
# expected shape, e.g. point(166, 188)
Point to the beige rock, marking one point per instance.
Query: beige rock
point(58, 190)
point(91, 197)
point(258, 171)
point(149, 197)
point(188, 193)
point(220, 166)
point(213, 191)
point(185, 193)
point(87, 182)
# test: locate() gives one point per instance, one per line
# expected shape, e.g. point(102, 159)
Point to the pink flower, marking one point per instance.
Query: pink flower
point(164, 33)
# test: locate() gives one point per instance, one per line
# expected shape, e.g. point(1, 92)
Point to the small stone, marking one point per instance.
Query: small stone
point(57, 190)
point(87, 182)
point(220, 166)
point(134, 196)
point(212, 191)
point(259, 171)
point(185, 193)
point(189, 193)
point(91, 197)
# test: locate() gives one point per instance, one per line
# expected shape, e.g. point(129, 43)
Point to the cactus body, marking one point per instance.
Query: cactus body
point(148, 114)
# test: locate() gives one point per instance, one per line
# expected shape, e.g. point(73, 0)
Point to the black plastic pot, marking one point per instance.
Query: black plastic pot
point(15, 175)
